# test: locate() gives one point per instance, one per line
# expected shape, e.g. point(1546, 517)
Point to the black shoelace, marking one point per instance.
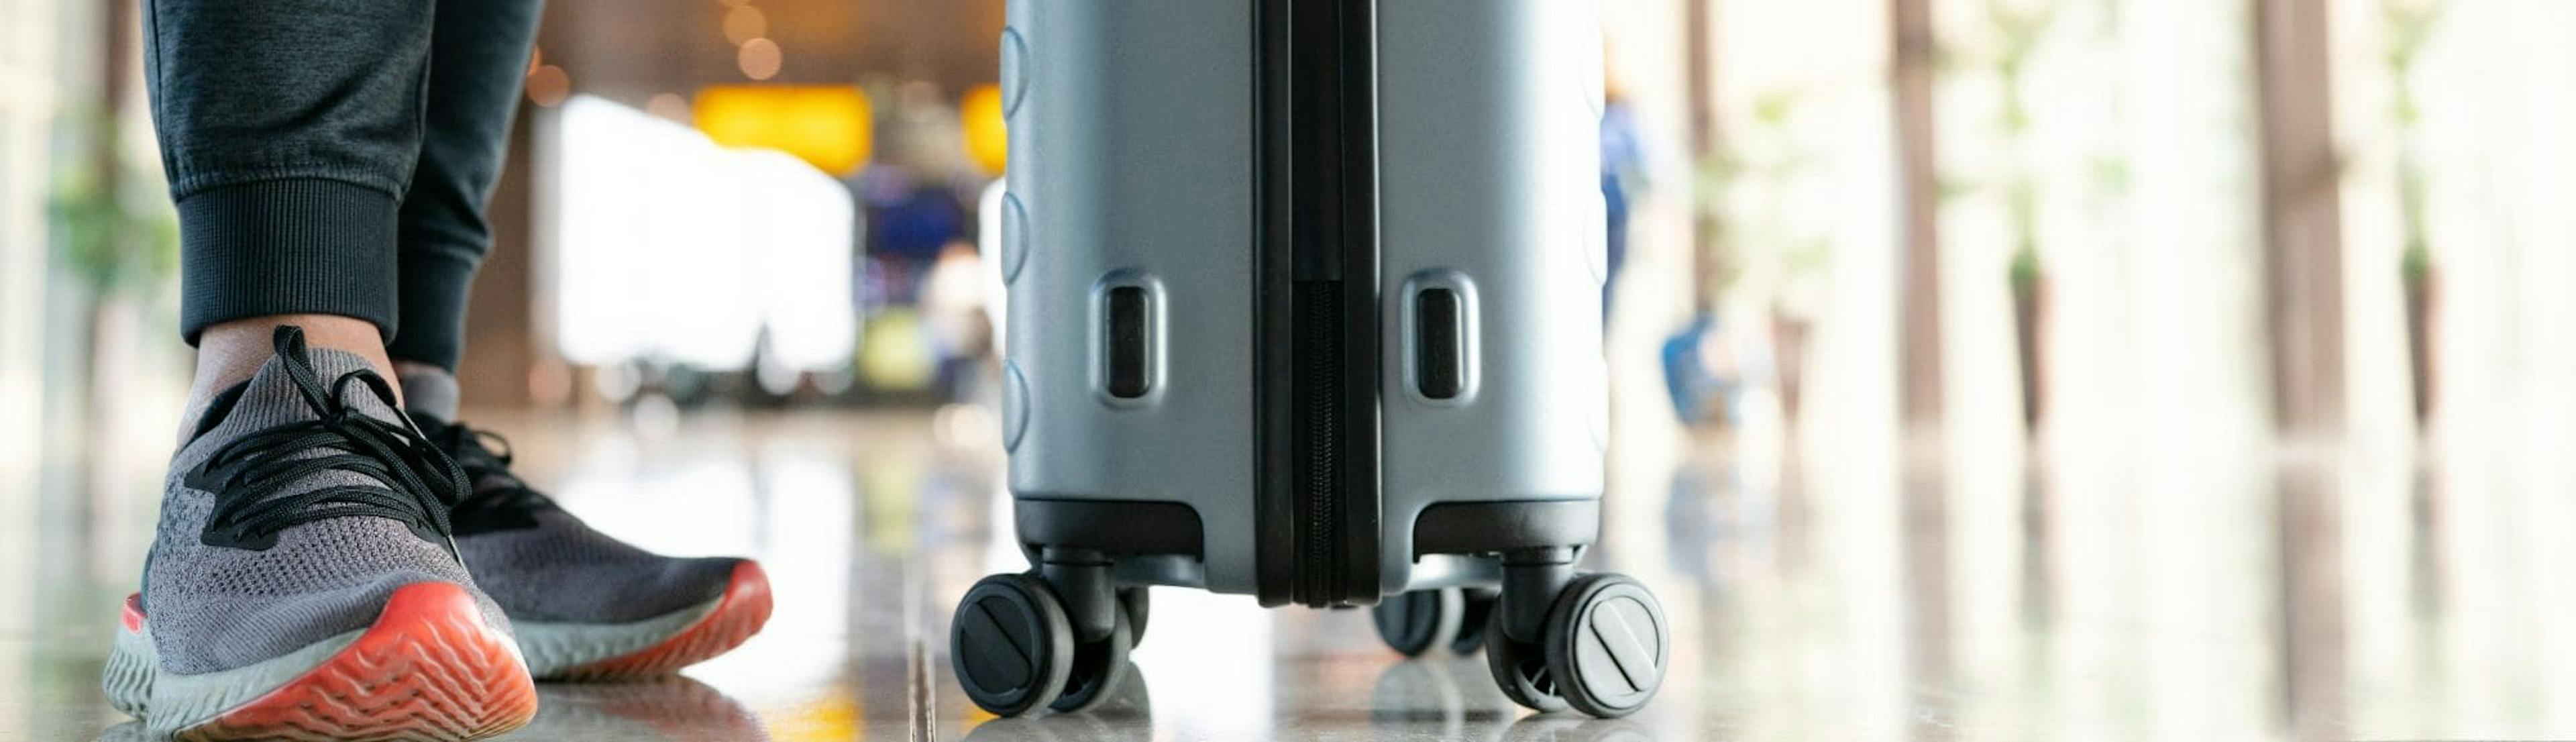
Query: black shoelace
point(407, 478)
point(500, 500)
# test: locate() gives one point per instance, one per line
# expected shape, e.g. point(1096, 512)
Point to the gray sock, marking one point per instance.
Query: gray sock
point(431, 391)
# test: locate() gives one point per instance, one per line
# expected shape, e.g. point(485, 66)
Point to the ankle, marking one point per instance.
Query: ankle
point(230, 353)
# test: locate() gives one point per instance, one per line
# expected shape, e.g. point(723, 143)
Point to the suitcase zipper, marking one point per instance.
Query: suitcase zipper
point(1320, 354)
point(1317, 259)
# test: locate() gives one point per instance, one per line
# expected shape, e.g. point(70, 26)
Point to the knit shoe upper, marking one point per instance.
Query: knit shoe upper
point(303, 501)
point(543, 565)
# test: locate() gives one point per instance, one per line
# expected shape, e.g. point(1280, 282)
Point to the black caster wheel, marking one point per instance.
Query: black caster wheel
point(1097, 668)
point(1137, 604)
point(1471, 628)
point(1414, 622)
point(1011, 644)
point(1520, 668)
point(1607, 645)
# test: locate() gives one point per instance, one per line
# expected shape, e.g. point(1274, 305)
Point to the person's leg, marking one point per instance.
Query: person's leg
point(303, 580)
point(477, 64)
point(585, 606)
point(229, 352)
point(288, 132)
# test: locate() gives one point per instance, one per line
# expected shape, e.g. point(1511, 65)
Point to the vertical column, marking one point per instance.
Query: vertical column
point(1700, 58)
point(28, 59)
point(2303, 303)
point(1925, 520)
point(2302, 258)
point(1919, 263)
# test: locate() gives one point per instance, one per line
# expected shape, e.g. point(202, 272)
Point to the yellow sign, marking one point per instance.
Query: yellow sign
point(988, 139)
point(829, 126)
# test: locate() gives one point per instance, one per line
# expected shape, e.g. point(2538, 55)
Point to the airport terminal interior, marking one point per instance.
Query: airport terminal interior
point(1978, 369)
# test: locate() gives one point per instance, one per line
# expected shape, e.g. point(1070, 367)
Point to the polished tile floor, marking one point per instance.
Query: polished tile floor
point(2170, 595)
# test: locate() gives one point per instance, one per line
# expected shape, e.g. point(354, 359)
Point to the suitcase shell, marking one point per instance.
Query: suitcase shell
point(1305, 302)
point(1136, 171)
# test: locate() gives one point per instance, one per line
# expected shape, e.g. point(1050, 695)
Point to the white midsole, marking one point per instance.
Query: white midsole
point(168, 702)
point(552, 648)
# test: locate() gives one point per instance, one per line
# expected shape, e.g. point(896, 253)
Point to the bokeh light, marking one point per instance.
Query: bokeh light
point(549, 85)
point(670, 106)
point(744, 23)
point(759, 59)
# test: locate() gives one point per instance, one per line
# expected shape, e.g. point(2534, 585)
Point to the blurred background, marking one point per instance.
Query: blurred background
point(2061, 368)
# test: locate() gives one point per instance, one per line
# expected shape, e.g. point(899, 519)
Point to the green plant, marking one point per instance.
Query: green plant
point(2018, 31)
point(2025, 269)
point(111, 238)
point(2410, 23)
point(1714, 174)
point(1756, 170)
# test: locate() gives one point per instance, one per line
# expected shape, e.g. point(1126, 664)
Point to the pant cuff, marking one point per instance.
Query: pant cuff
point(297, 246)
point(436, 286)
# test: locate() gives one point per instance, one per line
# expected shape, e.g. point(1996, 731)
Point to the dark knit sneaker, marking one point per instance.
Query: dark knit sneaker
point(586, 606)
point(303, 584)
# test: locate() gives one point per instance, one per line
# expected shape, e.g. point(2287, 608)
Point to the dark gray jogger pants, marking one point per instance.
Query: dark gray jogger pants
point(335, 156)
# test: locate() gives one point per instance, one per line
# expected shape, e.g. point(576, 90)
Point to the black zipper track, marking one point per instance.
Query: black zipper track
point(1319, 402)
point(1318, 509)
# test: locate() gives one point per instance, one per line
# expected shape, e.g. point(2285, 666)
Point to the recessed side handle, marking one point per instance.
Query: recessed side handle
point(1439, 344)
point(1440, 351)
point(1128, 334)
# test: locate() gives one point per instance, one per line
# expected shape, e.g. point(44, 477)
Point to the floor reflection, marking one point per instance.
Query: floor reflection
point(675, 709)
point(1977, 595)
point(1128, 714)
point(2312, 601)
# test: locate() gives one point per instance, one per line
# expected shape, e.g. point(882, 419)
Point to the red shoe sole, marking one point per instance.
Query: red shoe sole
point(744, 610)
point(428, 669)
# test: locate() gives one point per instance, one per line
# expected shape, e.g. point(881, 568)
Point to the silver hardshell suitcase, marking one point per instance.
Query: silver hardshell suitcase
point(1305, 299)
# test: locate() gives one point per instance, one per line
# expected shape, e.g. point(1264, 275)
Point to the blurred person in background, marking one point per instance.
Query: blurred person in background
point(1623, 178)
point(952, 305)
point(336, 554)
point(914, 209)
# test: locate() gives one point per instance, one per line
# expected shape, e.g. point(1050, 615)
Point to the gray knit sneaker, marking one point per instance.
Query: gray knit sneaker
point(586, 606)
point(303, 584)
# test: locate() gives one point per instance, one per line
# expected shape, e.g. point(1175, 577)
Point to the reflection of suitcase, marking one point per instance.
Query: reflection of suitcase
point(1305, 304)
